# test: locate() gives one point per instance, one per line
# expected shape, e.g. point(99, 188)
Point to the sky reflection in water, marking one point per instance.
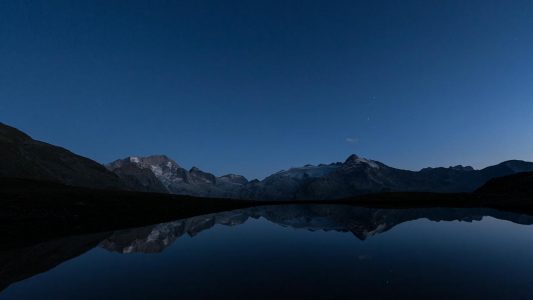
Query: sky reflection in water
point(301, 251)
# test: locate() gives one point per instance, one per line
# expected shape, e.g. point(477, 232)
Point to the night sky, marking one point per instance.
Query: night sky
point(252, 87)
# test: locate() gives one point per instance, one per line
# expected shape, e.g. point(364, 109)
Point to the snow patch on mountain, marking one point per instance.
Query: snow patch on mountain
point(178, 180)
point(356, 160)
point(355, 176)
point(308, 171)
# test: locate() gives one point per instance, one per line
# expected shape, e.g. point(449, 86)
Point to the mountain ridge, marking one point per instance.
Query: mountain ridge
point(355, 176)
point(176, 179)
point(25, 157)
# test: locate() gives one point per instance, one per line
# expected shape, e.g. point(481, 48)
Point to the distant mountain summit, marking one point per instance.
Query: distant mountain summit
point(355, 176)
point(158, 173)
point(356, 160)
point(138, 175)
point(23, 157)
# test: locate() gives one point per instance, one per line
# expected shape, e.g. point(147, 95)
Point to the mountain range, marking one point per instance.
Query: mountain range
point(158, 173)
point(24, 157)
point(355, 176)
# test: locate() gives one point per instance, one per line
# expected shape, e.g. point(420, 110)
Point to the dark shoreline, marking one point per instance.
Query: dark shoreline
point(35, 211)
point(44, 224)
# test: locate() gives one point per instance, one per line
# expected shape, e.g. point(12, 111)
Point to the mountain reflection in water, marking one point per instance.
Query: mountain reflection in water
point(363, 223)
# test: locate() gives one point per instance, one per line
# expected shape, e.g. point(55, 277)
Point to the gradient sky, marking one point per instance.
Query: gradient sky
point(252, 87)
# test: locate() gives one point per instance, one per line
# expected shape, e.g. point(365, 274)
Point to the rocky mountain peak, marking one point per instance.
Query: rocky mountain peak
point(199, 176)
point(351, 159)
point(234, 178)
point(354, 160)
point(159, 160)
point(462, 168)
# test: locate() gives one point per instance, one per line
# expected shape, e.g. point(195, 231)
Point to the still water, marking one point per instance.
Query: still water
point(288, 252)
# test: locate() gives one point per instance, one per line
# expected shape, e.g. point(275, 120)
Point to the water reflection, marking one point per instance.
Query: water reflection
point(362, 223)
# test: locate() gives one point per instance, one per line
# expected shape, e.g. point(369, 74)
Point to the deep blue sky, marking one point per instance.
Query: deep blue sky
point(253, 87)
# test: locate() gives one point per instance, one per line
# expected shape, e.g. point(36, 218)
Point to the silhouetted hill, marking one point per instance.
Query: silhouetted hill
point(21, 156)
point(512, 185)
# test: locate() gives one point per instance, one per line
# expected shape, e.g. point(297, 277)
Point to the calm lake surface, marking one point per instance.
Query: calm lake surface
point(282, 252)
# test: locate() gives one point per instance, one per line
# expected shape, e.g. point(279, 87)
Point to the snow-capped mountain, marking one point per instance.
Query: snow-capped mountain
point(141, 175)
point(172, 178)
point(24, 157)
point(354, 176)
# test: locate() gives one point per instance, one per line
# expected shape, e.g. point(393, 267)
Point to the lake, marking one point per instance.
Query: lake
point(287, 252)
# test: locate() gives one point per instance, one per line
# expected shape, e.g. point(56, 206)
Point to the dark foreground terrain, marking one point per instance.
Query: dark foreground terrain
point(39, 211)
point(44, 224)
